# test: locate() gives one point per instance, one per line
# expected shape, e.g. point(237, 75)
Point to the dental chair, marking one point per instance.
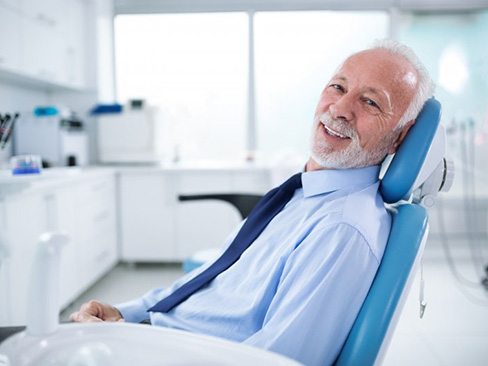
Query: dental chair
point(409, 184)
point(414, 176)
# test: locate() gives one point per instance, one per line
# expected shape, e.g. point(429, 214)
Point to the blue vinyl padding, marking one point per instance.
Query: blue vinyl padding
point(189, 264)
point(409, 225)
point(368, 332)
point(405, 165)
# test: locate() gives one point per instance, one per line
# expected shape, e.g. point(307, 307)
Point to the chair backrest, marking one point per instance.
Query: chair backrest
point(369, 337)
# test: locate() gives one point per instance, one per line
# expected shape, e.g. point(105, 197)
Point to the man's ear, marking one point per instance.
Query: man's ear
point(401, 136)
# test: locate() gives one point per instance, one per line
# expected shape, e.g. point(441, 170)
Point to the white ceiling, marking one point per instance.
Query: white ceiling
point(158, 6)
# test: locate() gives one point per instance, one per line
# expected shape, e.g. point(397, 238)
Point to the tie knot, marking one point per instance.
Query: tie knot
point(294, 182)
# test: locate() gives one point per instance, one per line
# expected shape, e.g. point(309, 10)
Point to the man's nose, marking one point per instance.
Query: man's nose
point(342, 108)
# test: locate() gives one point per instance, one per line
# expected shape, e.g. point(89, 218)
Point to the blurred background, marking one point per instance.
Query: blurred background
point(130, 104)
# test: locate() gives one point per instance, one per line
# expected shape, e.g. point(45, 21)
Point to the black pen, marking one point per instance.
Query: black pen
point(9, 130)
point(3, 125)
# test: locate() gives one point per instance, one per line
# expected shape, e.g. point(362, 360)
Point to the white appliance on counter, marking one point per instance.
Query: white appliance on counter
point(59, 140)
point(129, 136)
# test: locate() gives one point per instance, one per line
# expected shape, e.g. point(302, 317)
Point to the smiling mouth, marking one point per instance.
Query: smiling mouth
point(333, 133)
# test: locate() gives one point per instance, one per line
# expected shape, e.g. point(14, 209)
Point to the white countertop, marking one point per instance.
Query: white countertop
point(10, 184)
point(50, 177)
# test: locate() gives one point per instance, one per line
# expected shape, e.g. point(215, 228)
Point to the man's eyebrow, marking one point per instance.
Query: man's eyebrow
point(339, 77)
point(374, 90)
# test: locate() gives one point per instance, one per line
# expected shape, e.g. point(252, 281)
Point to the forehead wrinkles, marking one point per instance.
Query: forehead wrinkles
point(383, 71)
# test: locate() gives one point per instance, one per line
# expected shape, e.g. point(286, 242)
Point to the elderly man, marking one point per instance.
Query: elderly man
point(299, 275)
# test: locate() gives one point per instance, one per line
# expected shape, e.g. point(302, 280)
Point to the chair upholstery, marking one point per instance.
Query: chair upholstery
point(372, 330)
point(371, 333)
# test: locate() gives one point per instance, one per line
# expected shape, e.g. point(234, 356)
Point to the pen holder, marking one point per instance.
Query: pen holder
point(26, 164)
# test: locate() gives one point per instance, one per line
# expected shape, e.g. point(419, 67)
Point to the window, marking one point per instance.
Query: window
point(194, 68)
point(296, 54)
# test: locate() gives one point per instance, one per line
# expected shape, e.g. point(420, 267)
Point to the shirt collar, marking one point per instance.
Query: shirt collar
point(330, 180)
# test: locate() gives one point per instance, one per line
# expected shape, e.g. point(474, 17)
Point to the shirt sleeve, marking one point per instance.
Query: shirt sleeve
point(320, 292)
point(135, 311)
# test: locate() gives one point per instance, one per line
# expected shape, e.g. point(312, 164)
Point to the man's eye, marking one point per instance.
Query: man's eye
point(337, 87)
point(371, 103)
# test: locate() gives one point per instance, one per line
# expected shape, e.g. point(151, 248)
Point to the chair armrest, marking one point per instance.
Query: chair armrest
point(243, 202)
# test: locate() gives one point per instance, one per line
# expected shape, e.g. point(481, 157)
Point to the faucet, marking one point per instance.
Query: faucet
point(43, 296)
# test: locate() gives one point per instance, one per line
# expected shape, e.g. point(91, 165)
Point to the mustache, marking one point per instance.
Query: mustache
point(337, 125)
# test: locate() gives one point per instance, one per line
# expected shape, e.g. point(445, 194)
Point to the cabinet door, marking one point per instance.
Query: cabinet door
point(62, 216)
point(96, 229)
point(52, 47)
point(204, 224)
point(25, 220)
point(147, 206)
point(10, 48)
point(74, 54)
point(68, 19)
point(42, 50)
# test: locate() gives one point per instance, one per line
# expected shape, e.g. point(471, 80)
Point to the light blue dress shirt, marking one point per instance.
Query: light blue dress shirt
point(298, 288)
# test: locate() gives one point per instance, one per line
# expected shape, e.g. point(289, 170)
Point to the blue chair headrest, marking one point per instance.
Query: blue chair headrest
point(397, 183)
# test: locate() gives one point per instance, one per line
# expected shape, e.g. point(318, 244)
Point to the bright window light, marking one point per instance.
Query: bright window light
point(453, 72)
point(194, 68)
point(296, 54)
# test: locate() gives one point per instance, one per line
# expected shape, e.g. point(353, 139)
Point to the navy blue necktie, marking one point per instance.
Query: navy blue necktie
point(267, 208)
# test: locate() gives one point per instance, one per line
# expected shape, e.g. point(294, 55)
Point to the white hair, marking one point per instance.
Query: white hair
point(425, 87)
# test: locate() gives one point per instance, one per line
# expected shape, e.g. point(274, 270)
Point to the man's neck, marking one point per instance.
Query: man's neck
point(312, 165)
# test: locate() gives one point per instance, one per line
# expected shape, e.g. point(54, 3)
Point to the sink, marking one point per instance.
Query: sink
point(107, 344)
point(46, 343)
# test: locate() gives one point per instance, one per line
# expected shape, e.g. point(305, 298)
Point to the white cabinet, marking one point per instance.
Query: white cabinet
point(96, 229)
point(156, 227)
point(62, 214)
point(83, 208)
point(205, 224)
point(75, 50)
point(44, 41)
point(25, 218)
point(147, 217)
point(41, 49)
point(10, 41)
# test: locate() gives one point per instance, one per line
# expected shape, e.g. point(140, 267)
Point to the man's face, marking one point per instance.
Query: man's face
point(358, 111)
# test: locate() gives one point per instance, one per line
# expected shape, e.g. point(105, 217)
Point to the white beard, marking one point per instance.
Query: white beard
point(353, 156)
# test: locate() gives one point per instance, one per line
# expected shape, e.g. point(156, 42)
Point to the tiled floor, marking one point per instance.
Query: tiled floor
point(127, 281)
point(454, 330)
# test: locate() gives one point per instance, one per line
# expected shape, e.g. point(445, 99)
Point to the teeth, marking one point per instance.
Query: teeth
point(334, 133)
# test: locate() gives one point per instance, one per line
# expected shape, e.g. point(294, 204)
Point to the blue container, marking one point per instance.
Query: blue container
point(26, 164)
point(106, 108)
point(46, 111)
